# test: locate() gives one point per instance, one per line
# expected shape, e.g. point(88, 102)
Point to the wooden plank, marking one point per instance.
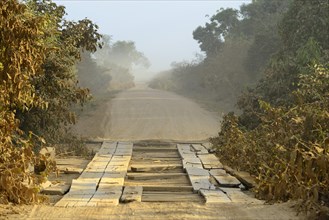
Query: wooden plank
point(57, 189)
point(224, 179)
point(215, 196)
point(155, 167)
point(171, 197)
point(199, 178)
point(201, 182)
point(104, 188)
point(238, 196)
point(71, 200)
point(113, 178)
point(115, 168)
point(194, 171)
point(193, 165)
point(107, 148)
point(148, 176)
point(137, 159)
point(124, 148)
point(106, 195)
point(156, 155)
point(82, 187)
point(210, 161)
point(184, 149)
point(191, 162)
point(121, 158)
point(154, 149)
point(168, 188)
point(199, 149)
point(179, 180)
point(105, 199)
point(90, 175)
point(244, 177)
point(131, 194)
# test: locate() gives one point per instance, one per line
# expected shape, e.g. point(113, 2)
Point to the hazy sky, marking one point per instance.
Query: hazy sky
point(162, 30)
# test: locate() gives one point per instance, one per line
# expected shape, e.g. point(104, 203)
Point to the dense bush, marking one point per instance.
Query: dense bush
point(281, 137)
point(288, 151)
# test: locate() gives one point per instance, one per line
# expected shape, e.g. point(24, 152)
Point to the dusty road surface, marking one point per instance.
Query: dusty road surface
point(142, 113)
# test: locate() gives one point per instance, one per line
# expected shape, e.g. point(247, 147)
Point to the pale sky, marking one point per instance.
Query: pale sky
point(162, 30)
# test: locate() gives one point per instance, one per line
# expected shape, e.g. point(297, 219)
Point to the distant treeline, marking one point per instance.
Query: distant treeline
point(238, 45)
point(109, 68)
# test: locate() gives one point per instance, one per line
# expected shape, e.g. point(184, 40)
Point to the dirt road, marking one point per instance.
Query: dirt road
point(142, 113)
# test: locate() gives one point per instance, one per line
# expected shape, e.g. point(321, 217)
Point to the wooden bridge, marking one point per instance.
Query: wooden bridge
point(123, 172)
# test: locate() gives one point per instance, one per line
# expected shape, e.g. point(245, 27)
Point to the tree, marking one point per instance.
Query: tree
point(58, 86)
point(121, 53)
point(38, 51)
point(119, 58)
point(22, 52)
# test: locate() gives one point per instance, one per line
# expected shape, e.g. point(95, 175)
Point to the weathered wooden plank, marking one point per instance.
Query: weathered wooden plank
point(137, 159)
point(118, 158)
point(191, 162)
point(155, 167)
point(199, 178)
point(210, 161)
point(184, 149)
point(113, 178)
point(106, 195)
point(101, 159)
point(58, 189)
point(82, 187)
point(238, 196)
point(154, 149)
point(167, 188)
point(194, 171)
point(215, 196)
point(115, 168)
point(156, 155)
point(244, 177)
point(201, 182)
point(171, 197)
point(71, 200)
point(131, 194)
point(150, 176)
point(124, 147)
point(105, 188)
point(224, 179)
point(87, 175)
point(193, 165)
point(105, 199)
point(178, 180)
point(107, 148)
point(199, 149)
